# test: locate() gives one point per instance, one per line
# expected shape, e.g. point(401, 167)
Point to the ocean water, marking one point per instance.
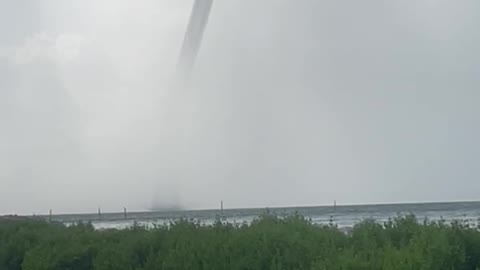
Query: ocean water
point(344, 216)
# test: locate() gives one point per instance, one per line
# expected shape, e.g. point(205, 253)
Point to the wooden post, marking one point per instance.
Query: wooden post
point(99, 213)
point(221, 207)
point(125, 212)
point(335, 205)
point(50, 216)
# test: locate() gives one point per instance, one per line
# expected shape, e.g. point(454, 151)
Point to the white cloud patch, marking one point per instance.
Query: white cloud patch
point(61, 48)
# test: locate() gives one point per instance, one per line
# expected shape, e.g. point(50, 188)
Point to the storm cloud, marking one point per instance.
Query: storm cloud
point(291, 103)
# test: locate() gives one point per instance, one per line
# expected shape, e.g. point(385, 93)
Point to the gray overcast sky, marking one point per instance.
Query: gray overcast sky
point(294, 102)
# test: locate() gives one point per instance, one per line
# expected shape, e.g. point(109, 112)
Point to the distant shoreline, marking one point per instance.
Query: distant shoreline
point(186, 210)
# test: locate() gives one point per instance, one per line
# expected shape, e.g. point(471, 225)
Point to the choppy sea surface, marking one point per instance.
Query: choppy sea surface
point(344, 216)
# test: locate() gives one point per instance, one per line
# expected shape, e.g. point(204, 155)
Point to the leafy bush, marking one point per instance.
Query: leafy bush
point(269, 242)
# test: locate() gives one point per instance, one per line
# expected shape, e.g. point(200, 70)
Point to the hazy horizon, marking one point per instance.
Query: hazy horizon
point(291, 103)
point(120, 211)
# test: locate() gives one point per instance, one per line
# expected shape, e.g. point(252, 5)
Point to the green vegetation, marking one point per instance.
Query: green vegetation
point(267, 243)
